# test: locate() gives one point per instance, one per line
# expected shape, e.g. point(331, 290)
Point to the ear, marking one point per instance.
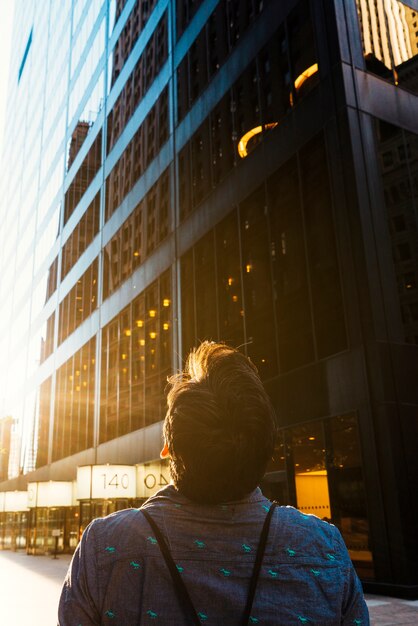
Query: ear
point(164, 454)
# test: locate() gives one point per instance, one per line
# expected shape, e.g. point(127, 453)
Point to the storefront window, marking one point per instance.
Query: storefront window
point(346, 487)
point(323, 464)
point(44, 525)
point(274, 484)
point(91, 509)
point(13, 529)
point(311, 477)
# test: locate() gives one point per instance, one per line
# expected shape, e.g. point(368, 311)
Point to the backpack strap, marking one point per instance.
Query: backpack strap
point(257, 564)
point(179, 586)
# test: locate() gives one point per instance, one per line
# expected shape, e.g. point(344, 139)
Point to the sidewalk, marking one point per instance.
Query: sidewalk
point(30, 587)
point(386, 611)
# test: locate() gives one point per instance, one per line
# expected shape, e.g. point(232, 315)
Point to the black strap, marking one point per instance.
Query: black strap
point(179, 586)
point(257, 564)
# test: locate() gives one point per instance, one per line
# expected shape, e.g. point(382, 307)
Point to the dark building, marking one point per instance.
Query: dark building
point(236, 170)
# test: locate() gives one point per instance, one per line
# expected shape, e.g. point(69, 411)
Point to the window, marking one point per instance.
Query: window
point(404, 251)
point(143, 147)
point(229, 288)
point(79, 303)
point(205, 288)
point(387, 158)
point(139, 235)
point(85, 174)
point(142, 76)
point(327, 303)
point(256, 278)
point(52, 279)
point(136, 360)
point(323, 461)
point(388, 41)
point(74, 403)
point(401, 194)
point(43, 423)
point(289, 263)
point(399, 224)
point(81, 237)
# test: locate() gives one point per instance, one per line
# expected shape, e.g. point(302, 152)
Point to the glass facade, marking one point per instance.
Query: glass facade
point(398, 161)
point(136, 360)
point(284, 315)
point(175, 171)
point(43, 521)
point(389, 33)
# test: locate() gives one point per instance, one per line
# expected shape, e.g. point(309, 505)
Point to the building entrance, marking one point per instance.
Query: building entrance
point(317, 468)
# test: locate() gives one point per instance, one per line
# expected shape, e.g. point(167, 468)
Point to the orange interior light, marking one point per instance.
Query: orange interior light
point(242, 145)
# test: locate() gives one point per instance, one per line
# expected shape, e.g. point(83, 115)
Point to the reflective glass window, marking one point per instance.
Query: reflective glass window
point(256, 272)
point(324, 465)
point(136, 359)
point(326, 291)
point(6, 424)
point(138, 363)
point(217, 39)
point(74, 403)
point(86, 172)
point(229, 287)
point(79, 303)
point(139, 235)
point(48, 344)
point(188, 315)
point(308, 450)
point(52, 279)
point(389, 35)
point(133, 27)
point(302, 53)
point(185, 10)
point(223, 152)
point(141, 150)
point(275, 484)
point(289, 265)
point(205, 288)
point(399, 177)
point(81, 237)
point(142, 76)
point(347, 491)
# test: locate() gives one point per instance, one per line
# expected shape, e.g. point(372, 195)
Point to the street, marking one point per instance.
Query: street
point(30, 587)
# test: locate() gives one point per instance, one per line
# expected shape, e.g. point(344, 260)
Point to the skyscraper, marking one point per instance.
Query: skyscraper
point(237, 170)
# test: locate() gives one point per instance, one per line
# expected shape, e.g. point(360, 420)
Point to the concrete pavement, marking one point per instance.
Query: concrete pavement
point(30, 588)
point(386, 611)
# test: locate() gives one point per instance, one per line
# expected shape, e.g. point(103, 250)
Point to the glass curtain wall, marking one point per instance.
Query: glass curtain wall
point(389, 32)
point(278, 292)
point(398, 163)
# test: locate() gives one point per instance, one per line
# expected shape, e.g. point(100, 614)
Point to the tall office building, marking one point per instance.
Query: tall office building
point(238, 170)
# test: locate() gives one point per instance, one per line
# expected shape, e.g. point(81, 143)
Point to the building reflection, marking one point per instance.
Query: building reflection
point(390, 40)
